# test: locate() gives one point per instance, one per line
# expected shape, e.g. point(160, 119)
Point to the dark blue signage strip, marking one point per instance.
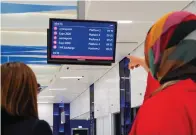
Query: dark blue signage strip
point(61, 119)
point(125, 97)
point(92, 119)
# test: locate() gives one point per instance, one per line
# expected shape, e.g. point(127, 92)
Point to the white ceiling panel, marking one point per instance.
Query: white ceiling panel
point(58, 97)
point(44, 74)
point(123, 49)
point(85, 116)
point(42, 69)
point(142, 11)
point(73, 86)
point(26, 21)
point(133, 32)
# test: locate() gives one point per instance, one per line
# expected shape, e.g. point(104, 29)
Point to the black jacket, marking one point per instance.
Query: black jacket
point(15, 125)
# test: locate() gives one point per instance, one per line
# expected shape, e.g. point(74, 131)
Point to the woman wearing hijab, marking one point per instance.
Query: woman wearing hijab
point(170, 55)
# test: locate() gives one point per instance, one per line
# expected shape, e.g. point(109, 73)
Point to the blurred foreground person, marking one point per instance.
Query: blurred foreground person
point(170, 57)
point(19, 113)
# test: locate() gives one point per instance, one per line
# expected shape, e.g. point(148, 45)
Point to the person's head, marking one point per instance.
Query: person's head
point(170, 47)
point(18, 90)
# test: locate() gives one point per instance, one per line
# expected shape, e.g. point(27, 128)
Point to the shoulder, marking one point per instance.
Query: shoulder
point(166, 110)
point(42, 127)
point(24, 127)
point(173, 95)
point(171, 98)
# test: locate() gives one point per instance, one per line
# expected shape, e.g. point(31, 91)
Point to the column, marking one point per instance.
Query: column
point(92, 119)
point(125, 98)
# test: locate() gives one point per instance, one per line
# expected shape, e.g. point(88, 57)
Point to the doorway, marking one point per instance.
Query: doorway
point(80, 131)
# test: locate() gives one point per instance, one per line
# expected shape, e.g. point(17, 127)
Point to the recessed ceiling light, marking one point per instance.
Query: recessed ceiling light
point(42, 102)
point(125, 21)
point(72, 77)
point(58, 89)
point(46, 96)
point(24, 32)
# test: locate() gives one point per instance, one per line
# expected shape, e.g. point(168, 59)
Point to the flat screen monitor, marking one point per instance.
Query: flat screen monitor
point(81, 42)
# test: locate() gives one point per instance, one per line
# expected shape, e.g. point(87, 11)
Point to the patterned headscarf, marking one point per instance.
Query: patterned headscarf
point(170, 47)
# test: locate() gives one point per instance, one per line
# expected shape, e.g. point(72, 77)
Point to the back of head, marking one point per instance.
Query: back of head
point(170, 47)
point(18, 90)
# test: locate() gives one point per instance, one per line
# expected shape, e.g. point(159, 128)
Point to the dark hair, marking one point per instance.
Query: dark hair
point(18, 90)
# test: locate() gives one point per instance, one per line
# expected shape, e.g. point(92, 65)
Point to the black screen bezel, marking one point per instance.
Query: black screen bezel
point(76, 61)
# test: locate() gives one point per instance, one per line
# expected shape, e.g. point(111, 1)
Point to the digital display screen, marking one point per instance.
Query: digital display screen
point(82, 40)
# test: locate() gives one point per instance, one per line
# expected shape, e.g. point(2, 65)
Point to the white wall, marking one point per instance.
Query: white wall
point(107, 101)
point(80, 106)
point(138, 80)
point(138, 86)
point(104, 125)
point(45, 112)
point(107, 93)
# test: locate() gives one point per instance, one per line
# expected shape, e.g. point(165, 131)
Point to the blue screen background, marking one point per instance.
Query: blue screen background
point(80, 39)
